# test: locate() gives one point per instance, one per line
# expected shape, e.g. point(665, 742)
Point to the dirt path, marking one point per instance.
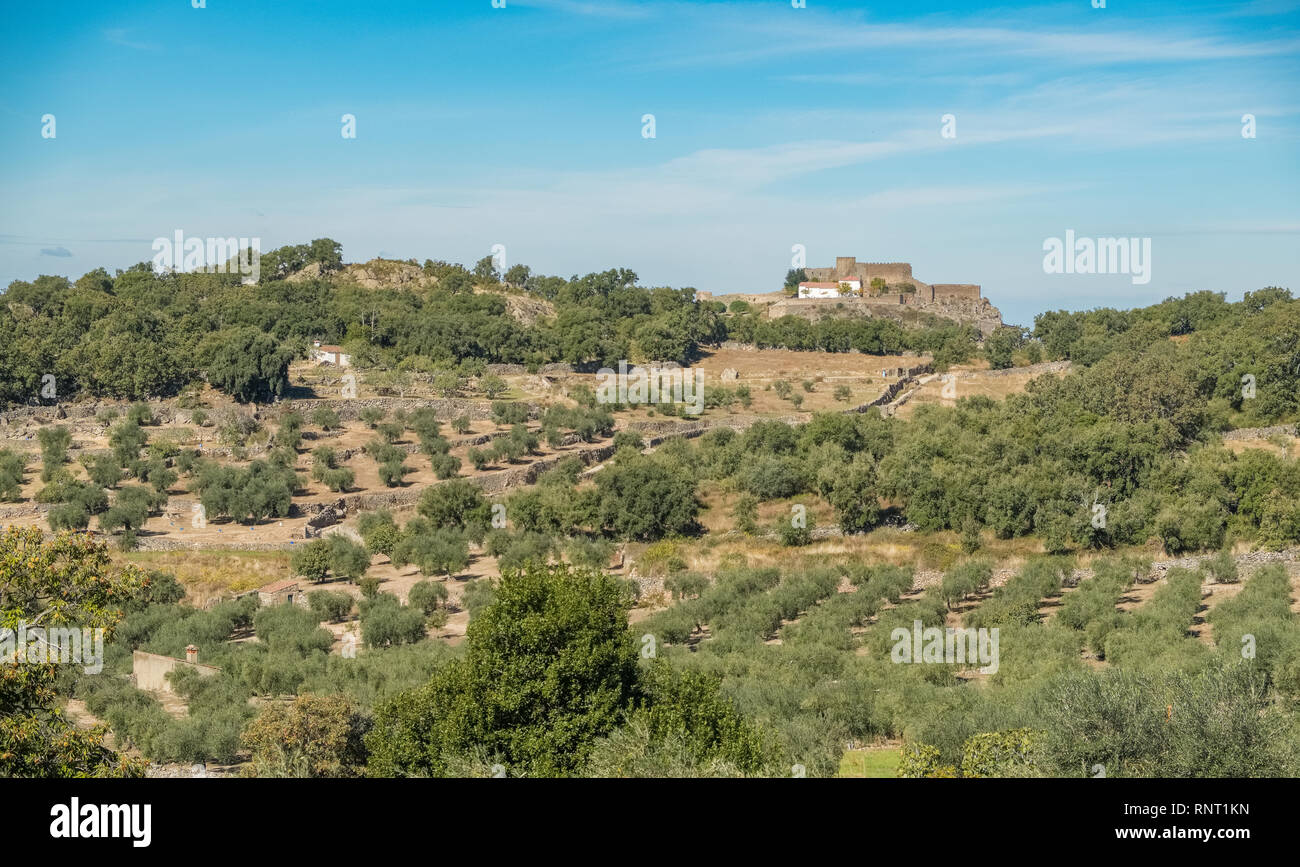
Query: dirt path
point(1201, 629)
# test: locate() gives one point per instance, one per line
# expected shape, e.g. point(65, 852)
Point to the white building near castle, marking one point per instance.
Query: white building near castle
point(829, 290)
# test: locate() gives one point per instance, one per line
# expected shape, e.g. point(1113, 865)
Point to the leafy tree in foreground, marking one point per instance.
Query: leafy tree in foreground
point(379, 532)
point(348, 560)
point(855, 499)
point(68, 582)
point(686, 709)
point(314, 736)
point(550, 668)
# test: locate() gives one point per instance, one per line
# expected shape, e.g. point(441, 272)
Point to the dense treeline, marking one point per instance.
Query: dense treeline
point(948, 342)
point(138, 333)
point(1257, 337)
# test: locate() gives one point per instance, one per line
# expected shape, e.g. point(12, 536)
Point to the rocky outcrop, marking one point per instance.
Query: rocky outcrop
point(326, 515)
point(908, 310)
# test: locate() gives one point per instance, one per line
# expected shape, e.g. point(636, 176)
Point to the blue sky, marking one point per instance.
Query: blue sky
point(775, 126)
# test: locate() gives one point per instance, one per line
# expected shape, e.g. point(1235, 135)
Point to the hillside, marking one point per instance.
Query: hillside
point(1114, 491)
point(394, 274)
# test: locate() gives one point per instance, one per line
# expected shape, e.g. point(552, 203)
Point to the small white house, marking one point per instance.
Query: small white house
point(329, 354)
point(827, 290)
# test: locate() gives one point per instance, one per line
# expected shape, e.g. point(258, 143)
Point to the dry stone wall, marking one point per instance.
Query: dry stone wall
point(1248, 434)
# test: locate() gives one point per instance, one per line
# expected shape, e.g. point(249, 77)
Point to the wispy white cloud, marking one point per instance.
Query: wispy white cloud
point(733, 34)
point(593, 8)
point(951, 195)
point(893, 77)
point(1261, 9)
point(121, 36)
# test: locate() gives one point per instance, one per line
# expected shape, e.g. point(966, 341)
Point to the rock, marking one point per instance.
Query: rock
point(538, 383)
point(344, 531)
point(324, 518)
point(730, 375)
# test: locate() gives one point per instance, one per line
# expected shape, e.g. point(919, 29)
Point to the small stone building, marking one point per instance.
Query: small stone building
point(284, 590)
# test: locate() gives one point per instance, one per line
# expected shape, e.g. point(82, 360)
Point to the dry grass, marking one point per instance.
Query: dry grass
point(979, 382)
point(923, 551)
point(720, 502)
point(758, 370)
point(207, 574)
point(1278, 445)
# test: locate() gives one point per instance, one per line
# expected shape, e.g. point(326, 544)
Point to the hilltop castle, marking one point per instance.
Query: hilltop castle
point(897, 277)
point(846, 290)
point(896, 295)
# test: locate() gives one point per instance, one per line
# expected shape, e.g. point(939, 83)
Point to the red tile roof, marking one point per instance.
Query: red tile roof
point(277, 586)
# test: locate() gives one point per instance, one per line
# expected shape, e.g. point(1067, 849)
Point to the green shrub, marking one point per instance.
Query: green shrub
point(427, 595)
point(330, 605)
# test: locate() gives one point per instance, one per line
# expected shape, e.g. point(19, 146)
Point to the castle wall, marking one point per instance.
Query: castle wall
point(957, 290)
point(893, 273)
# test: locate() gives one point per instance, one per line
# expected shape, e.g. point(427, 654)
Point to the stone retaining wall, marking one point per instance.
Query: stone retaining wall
point(349, 408)
point(1247, 434)
point(1043, 367)
point(519, 369)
